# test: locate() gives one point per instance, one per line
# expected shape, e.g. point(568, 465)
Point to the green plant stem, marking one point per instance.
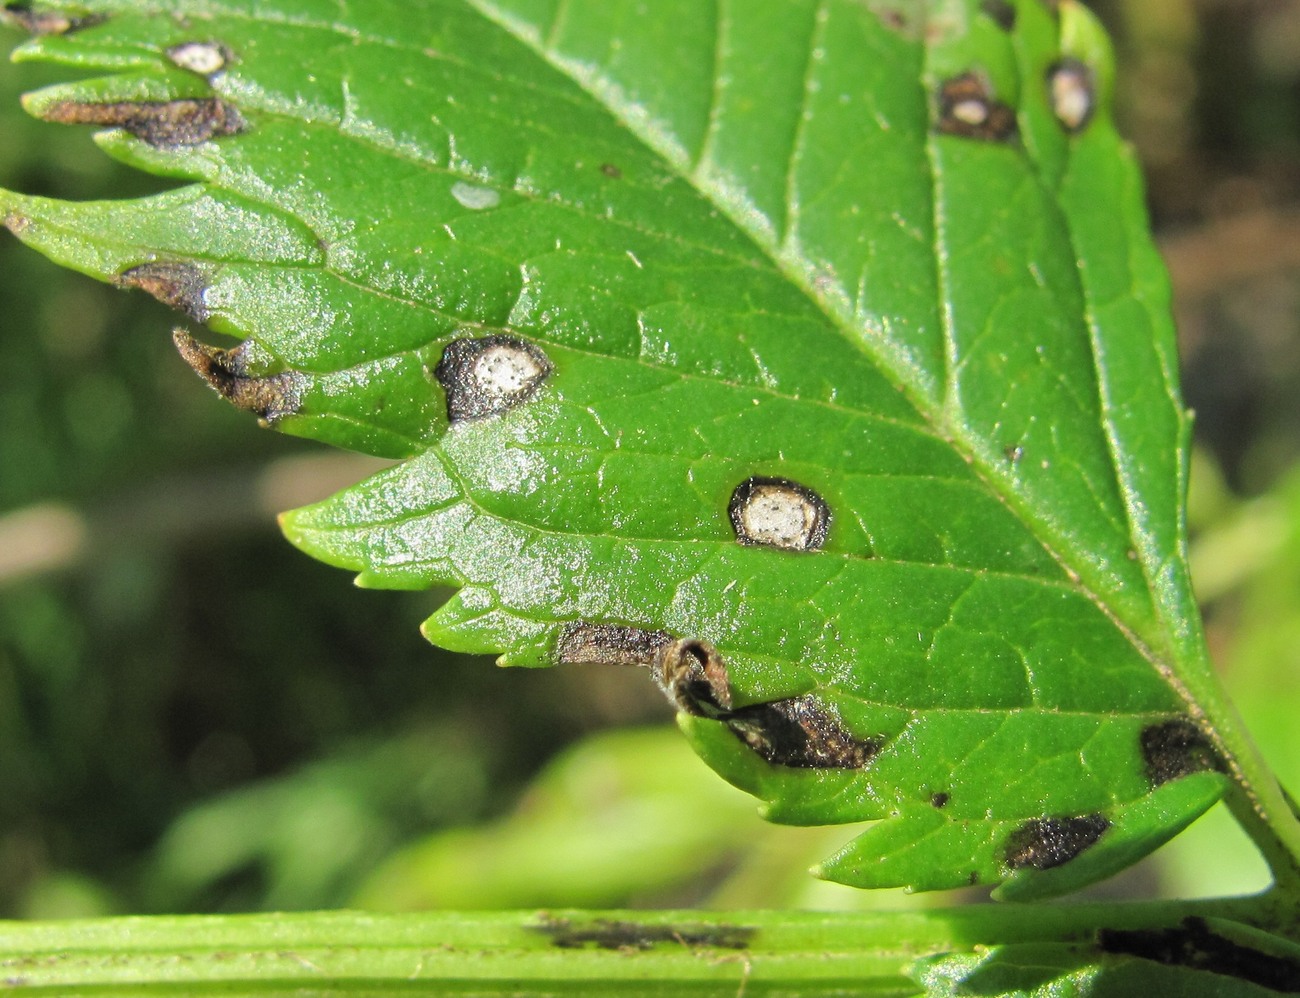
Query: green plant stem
point(485, 953)
point(1257, 800)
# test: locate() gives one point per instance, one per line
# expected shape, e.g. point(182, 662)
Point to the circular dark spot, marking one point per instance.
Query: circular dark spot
point(611, 171)
point(490, 375)
point(968, 109)
point(939, 800)
point(1073, 93)
point(779, 513)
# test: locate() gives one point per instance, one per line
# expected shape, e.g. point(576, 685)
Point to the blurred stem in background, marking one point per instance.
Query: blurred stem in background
point(193, 717)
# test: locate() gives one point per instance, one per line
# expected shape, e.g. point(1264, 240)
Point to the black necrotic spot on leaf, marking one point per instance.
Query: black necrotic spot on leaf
point(582, 643)
point(177, 283)
point(1002, 12)
point(1043, 843)
point(1176, 748)
point(1072, 89)
point(967, 109)
point(272, 397)
point(162, 124)
point(490, 375)
point(939, 800)
point(776, 512)
point(800, 732)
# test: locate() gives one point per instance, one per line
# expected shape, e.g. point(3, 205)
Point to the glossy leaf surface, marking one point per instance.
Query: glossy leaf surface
point(814, 355)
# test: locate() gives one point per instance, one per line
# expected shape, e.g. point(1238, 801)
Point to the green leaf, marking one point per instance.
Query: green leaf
point(812, 354)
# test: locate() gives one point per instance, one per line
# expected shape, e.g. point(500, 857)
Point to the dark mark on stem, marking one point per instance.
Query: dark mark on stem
point(162, 124)
point(627, 936)
point(1195, 945)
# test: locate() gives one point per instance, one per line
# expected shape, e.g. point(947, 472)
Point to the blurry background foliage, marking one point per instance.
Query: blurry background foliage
point(194, 717)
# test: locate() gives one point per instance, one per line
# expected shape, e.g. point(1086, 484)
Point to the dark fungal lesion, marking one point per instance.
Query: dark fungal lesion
point(1002, 13)
point(272, 397)
point(33, 19)
point(582, 643)
point(625, 935)
point(179, 284)
point(1044, 843)
point(800, 732)
point(1194, 943)
point(1176, 748)
point(1072, 90)
point(968, 109)
point(207, 59)
point(779, 513)
point(490, 375)
point(172, 124)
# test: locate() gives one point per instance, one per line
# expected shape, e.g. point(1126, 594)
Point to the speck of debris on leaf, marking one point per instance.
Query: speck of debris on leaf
point(776, 512)
point(628, 936)
point(177, 283)
point(582, 643)
point(968, 109)
point(45, 22)
point(490, 375)
point(272, 397)
point(204, 58)
point(1044, 843)
point(1176, 748)
point(611, 171)
point(1072, 88)
point(1002, 13)
point(162, 124)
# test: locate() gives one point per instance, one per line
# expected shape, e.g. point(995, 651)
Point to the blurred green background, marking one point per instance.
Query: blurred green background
point(194, 717)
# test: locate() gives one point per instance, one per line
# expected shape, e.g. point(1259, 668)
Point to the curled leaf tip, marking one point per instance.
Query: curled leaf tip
point(272, 397)
point(177, 283)
point(162, 124)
